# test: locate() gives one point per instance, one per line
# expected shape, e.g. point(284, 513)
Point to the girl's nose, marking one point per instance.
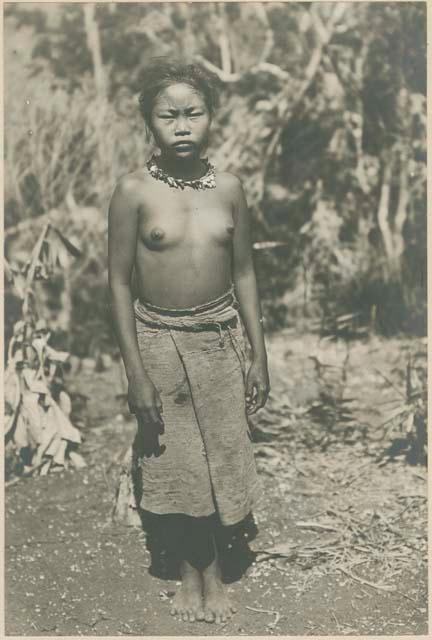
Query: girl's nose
point(182, 127)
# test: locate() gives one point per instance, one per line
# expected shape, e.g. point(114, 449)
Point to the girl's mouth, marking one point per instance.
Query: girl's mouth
point(184, 144)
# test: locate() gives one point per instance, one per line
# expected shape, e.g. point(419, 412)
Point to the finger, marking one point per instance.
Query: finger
point(249, 388)
point(160, 449)
point(159, 411)
point(260, 399)
point(159, 406)
point(161, 427)
point(254, 408)
point(154, 416)
point(251, 406)
point(251, 397)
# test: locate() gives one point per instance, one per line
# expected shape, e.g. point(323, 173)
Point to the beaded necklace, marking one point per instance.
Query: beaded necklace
point(207, 181)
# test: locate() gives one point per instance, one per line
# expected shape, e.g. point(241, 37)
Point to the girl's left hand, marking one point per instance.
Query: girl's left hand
point(257, 387)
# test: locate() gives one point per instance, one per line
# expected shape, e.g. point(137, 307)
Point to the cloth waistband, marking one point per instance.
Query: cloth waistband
point(216, 312)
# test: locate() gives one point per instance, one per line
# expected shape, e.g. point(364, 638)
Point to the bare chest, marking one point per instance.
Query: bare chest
point(168, 218)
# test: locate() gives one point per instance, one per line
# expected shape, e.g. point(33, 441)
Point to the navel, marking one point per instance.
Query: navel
point(157, 234)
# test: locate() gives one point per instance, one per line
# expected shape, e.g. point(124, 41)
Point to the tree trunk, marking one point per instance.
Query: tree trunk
point(384, 206)
point(224, 41)
point(392, 230)
point(94, 46)
point(187, 41)
point(403, 204)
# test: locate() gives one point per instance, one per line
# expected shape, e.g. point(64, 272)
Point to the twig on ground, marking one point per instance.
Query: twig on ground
point(374, 585)
point(260, 610)
point(272, 625)
point(405, 595)
point(316, 525)
point(270, 612)
point(335, 619)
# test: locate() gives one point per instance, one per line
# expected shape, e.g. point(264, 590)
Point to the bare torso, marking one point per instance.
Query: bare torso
point(184, 242)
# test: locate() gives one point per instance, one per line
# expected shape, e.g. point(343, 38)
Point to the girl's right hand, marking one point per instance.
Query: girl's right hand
point(144, 401)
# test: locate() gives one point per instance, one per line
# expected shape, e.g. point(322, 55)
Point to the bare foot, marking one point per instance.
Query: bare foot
point(217, 607)
point(188, 600)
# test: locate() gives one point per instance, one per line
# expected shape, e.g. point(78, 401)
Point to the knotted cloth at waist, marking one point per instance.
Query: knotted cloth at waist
point(214, 313)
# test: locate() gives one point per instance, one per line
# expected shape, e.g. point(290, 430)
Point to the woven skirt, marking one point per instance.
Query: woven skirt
point(207, 465)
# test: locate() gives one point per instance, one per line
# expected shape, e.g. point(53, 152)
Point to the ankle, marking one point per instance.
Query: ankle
point(212, 574)
point(188, 571)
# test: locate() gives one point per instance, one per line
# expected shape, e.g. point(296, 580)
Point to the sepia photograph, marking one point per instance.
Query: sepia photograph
point(215, 319)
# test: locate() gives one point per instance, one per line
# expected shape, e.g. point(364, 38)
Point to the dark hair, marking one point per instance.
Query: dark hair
point(162, 73)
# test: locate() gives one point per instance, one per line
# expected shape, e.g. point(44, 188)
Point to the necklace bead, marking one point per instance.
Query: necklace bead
point(207, 181)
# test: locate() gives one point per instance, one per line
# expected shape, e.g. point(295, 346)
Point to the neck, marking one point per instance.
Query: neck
point(185, 169)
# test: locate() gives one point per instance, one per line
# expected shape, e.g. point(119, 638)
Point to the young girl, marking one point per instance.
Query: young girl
point(184, 230)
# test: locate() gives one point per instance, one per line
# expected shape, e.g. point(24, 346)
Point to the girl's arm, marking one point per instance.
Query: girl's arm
point(257, 387)
point(122, 241)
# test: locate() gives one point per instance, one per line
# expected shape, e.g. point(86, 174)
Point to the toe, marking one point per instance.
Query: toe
point(184, 616)
point(173, 611)
point(209, 617)
point(223, 617)
point(191, 616)
point(233, 609)
point(200, 615)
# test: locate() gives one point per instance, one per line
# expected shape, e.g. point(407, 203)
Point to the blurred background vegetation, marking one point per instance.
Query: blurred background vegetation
point(323, 117)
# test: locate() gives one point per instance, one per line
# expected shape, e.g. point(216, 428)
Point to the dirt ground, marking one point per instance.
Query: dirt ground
point(342, 544)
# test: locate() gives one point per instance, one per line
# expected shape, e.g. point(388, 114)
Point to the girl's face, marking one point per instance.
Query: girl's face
point(180, 121)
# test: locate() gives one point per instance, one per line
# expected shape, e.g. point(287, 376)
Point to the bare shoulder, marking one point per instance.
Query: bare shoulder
point(232, 188)
point(130, 189)
point(132, 182)
point(229, 182)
